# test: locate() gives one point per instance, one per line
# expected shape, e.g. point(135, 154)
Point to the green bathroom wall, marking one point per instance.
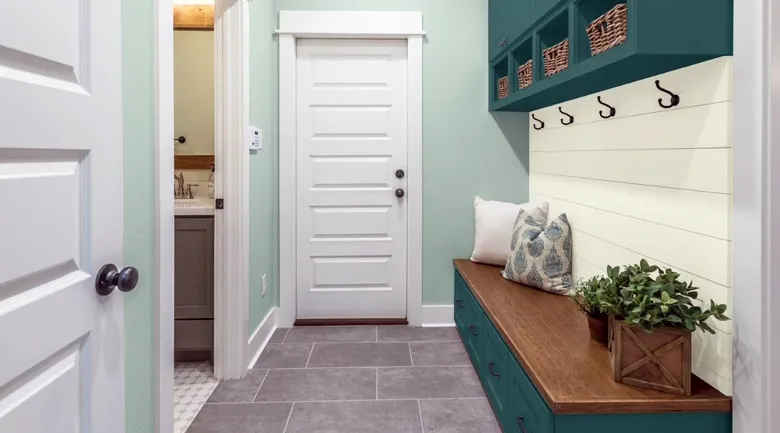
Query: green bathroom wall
point(138, 118)
point(466, 150)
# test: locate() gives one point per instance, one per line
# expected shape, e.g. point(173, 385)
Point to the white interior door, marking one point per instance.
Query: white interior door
point(61, 345)
point(351, 140)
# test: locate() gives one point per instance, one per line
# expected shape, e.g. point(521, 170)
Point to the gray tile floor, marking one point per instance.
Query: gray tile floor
point(356, 379)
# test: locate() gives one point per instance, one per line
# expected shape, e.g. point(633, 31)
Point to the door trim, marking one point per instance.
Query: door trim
point(231, 225)
point(358, 25)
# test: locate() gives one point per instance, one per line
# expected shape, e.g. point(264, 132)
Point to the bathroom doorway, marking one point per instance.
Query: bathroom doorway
point(194, 207)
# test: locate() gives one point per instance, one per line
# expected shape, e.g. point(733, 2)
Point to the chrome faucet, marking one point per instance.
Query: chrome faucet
point(178, 192)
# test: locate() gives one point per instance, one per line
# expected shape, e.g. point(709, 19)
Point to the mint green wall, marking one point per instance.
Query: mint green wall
point(264, 167)
point(138, 118)
point(466, 149)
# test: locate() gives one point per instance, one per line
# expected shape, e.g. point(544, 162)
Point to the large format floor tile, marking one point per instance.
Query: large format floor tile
point(360, 355)
point(428, 382)
point(458, 416)
point(242, 418)
point(409, 333)
point(239, 391)
point(391, 416)
point(290, 355)
point(354, 379)
point(439, 353)
point(319, 384)
point(331, 334)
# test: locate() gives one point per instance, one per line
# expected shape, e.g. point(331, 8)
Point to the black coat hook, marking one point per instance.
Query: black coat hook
point(541, 123)
point(571, 118)
point(675, 98)
point(612, 110)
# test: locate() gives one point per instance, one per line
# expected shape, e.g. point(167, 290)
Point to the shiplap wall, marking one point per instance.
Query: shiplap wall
point(649, 182)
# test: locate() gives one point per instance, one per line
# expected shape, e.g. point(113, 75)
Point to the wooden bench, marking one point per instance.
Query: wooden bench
point(543, 374)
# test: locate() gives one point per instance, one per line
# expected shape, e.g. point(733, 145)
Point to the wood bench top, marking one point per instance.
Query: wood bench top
point(549, 337)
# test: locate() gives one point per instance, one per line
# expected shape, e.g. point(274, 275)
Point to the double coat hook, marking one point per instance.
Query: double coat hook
point(675, 98)
point(541, 124)
point(571, 118)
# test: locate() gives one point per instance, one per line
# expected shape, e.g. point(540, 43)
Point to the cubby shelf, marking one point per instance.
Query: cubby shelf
point(663, 35)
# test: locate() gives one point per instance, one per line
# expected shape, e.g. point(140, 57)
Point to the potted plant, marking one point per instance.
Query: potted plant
point(653, 314)
point(586, 295)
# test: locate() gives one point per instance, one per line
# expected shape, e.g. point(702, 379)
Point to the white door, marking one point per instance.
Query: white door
point(351, 140)
point(61, 345)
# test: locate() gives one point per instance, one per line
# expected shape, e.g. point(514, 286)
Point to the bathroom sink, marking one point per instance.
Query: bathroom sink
point(193, 206)
point(193, 202)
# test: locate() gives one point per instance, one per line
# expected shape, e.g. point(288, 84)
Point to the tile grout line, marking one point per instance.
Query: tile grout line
point(377, 334)
point(377, 384)
point(371, 366)
point(419, 412)
point(411, 357)
point(267, 372)
point(225, 403)
point(285, 335)
point(310, 353)
point(289, 415)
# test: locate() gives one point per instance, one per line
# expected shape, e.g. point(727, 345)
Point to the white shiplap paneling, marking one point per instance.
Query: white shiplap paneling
point(649, 183)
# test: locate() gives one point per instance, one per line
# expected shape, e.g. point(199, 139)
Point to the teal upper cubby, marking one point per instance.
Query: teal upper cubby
point(663, 35)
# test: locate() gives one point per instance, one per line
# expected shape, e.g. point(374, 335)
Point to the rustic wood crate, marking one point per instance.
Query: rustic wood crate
point(660, 360)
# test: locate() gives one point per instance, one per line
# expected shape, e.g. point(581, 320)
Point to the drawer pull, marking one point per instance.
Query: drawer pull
point(491, 367)
point(473, 330)
point(521, 424)
point(459, 303)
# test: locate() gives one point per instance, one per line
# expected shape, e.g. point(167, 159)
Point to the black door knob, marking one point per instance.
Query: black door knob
point(108, 279)
point(399, 193)
point(399, 174)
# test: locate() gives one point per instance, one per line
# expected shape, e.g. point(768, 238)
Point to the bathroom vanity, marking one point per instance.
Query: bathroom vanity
point(194, 282)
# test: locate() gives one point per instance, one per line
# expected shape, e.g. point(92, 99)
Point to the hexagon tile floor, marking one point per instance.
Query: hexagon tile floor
point(357, 379)
point(193, 384)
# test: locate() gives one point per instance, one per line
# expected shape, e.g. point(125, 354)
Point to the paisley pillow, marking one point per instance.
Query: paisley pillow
point(540, 257)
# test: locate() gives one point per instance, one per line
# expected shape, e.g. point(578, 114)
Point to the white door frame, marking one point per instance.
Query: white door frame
point(231, 178)
point(355, 25)
point(756, 222)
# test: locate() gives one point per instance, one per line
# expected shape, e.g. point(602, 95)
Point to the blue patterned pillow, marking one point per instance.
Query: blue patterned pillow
point(540, 257)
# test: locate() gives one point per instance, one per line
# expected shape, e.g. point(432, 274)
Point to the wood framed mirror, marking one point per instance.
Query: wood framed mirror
point(193, 17)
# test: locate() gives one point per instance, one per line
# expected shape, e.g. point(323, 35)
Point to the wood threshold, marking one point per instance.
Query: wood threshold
point(549, 338)
point(350, 322)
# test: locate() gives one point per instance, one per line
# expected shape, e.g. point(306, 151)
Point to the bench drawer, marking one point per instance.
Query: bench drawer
point(471, 319)
point(495, 357)
point(526, 412)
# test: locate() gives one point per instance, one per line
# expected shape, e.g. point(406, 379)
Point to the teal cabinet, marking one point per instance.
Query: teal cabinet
point(663, 35)
point(527, 410)
point(494, 369)
point(507, 19)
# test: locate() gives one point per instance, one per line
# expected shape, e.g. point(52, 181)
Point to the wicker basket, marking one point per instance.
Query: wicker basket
point(503, 87)
point(609, 30)
point(525, 74)
point(556, 58)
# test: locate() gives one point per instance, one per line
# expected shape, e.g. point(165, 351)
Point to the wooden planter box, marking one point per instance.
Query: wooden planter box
point(659, 361)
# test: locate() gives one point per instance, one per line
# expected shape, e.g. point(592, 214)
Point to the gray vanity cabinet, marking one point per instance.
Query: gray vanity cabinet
point(194, 288)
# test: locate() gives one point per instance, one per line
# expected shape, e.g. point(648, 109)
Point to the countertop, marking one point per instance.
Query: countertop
point(193, 207)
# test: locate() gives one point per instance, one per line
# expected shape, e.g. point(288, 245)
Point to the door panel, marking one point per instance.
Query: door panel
point(352, 137)
point(61, 194)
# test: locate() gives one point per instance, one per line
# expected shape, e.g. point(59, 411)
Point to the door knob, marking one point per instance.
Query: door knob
point(399, 193)
point(108, 279)
point(399, 174)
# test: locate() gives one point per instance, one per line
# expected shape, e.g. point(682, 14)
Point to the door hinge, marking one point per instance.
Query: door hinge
point(220, 203)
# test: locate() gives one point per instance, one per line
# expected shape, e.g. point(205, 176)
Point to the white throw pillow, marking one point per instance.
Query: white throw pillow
point(494, 221)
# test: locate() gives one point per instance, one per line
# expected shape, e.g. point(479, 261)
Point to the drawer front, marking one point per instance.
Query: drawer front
point(527, 412)
point(460, 302)
point(494, 369)
point(471, 318)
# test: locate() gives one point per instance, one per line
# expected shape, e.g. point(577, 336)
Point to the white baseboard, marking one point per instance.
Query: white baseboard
point(260, 337)
point(438, 315)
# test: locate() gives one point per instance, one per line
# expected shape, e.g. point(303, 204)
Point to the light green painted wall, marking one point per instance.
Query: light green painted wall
point(138, 118)
point(467, 150)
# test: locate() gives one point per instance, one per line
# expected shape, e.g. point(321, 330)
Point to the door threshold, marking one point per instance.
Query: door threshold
point(344, 322)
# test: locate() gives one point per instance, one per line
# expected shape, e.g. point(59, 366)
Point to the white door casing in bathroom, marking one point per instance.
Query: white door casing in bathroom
point(61, 345)
point(351, 140)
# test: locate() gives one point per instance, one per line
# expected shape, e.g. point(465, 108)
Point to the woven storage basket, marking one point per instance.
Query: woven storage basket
point(525, 75)
point(503, 87)
point(609, 30)
point(556, 58)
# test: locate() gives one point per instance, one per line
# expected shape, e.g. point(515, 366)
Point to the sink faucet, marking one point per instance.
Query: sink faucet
point(178, 192)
